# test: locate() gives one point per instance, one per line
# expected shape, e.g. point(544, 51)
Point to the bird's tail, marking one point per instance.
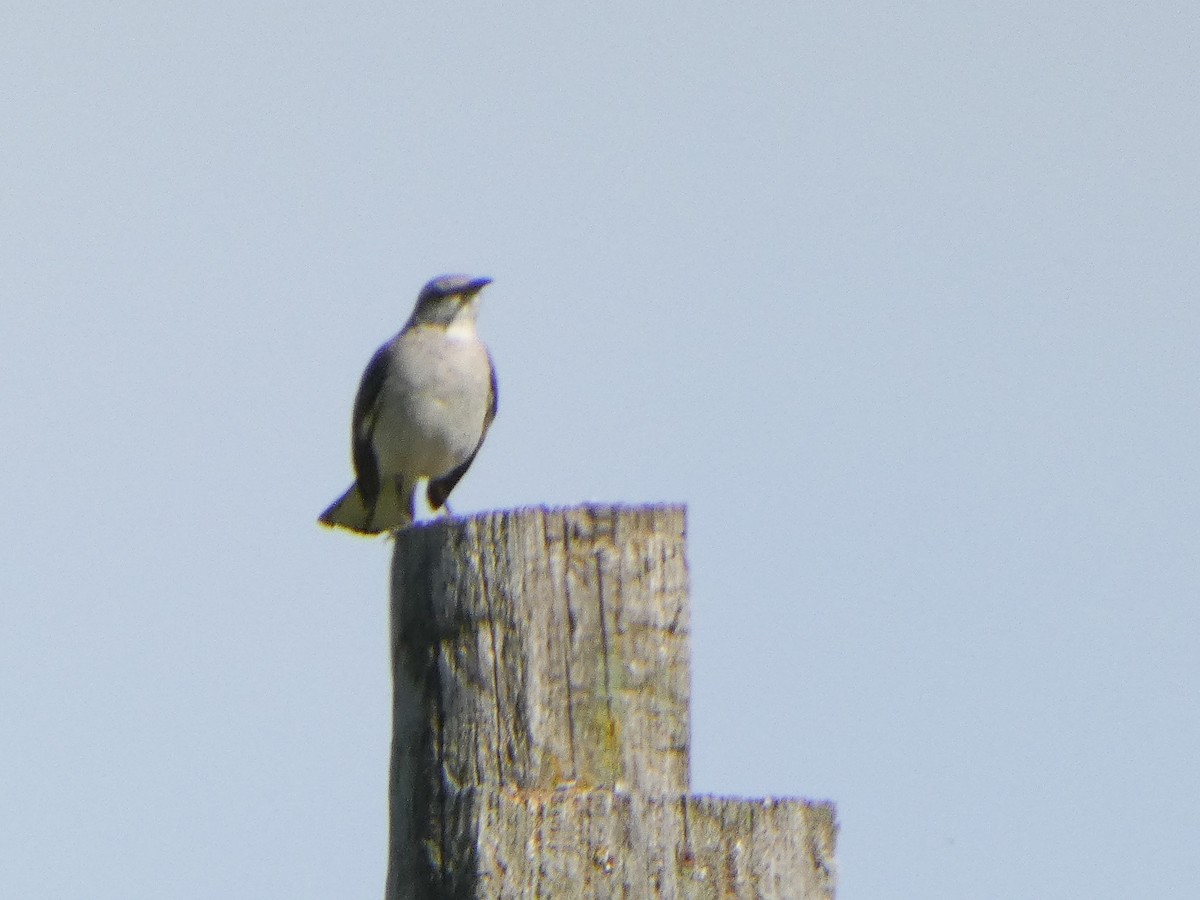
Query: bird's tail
point(351, 511)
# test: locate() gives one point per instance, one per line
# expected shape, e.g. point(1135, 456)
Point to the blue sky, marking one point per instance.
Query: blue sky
point(899, 299)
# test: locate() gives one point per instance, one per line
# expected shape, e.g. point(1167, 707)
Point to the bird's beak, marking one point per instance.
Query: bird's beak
point(476, 285)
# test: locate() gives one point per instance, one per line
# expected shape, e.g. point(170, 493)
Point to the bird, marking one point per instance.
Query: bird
point(425, 403)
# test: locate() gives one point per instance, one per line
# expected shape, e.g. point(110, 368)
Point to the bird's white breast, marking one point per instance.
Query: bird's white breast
point(434, 400)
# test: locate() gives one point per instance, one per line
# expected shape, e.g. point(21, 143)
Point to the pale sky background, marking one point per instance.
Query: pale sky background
point(900, 299)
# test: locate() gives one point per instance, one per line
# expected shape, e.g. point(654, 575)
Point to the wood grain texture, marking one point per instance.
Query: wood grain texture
point(541, 712)
point(608, 844)
point(551, 647)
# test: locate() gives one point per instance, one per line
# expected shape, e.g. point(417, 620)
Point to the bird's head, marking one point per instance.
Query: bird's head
point(447, 299)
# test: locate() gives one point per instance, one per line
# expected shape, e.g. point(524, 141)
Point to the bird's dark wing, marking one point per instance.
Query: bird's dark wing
point(439, 488)
point(362, 427)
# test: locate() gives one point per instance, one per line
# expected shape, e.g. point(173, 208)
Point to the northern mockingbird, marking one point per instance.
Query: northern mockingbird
point(423, 407)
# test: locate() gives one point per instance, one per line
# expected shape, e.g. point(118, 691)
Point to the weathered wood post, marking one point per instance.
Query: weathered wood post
point(540, 722)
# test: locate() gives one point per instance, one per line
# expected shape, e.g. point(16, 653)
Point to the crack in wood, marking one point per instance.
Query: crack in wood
point(499, 718)
point(604, 646)
point(569, 649)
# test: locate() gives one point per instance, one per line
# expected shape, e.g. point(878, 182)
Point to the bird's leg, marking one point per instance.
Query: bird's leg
point(404, 490)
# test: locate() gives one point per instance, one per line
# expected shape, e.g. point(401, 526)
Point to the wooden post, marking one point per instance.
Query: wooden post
point(540, 722)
